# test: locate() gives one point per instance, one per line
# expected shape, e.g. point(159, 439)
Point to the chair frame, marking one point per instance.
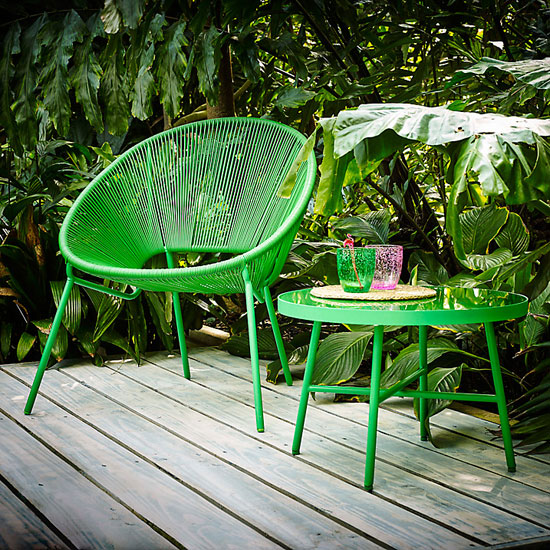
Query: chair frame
point(243, 262)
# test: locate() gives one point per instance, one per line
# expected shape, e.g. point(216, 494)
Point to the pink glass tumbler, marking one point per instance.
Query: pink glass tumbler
point(389, 261)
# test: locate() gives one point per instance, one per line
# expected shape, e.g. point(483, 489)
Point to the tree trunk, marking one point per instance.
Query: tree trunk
point(226, 100)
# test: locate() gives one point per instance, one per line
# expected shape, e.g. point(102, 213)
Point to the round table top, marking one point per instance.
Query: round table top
point(450, 306)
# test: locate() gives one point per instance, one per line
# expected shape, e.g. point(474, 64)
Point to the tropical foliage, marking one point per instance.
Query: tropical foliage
point(432, 135)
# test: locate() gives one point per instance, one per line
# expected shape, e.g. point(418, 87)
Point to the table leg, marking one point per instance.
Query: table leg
point(313, 343)
point(423, 381)
point(501, 399)
point(373, 405)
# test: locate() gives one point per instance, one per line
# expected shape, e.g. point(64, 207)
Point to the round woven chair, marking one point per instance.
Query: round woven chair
point(210, 186)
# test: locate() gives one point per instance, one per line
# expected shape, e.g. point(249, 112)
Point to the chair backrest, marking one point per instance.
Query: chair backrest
point(206, 186)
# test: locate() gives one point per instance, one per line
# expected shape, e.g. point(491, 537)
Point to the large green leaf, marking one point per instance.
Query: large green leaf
point(157, 302)
point(85, 76)
point(480, 226)
point(108, 310)
point(443, 380)
point(55, 75)
point(10, 46)
point(26, 75)
point(339, 356)
point(6, 329)
point(26, 342)
point(171, 64)
point(297, 356)
point(407, 361)
point(329, 192)
point(535, 72)
point(535, 324)
point(436, 126)
point(238, 344)
point(61, 344)
point(73, 311)
point(290, 96)
point(484, 262)
point(372, 226)
point(114, 87)
point(514, 235)
point(208, 55)
point(428, 269)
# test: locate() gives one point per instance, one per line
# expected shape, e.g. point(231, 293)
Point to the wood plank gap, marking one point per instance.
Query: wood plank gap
point(142, 457)
point(389, 462)
point(352, 483)
point(83, 473)
point(280, 543)
point(336, 475)
point(504, 473)
point(232, 464)
point(36, 512)
point(385, 406)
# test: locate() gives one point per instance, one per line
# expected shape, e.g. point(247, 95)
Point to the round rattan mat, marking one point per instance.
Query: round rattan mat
point(400, 292)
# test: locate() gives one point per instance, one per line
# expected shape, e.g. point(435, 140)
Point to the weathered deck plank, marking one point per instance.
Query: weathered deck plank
point(162, 448)
point(87, 516)
point(422, 459)
point(140, 479)
point(475, 519)
point(21, 528)
point(457, 434)
point(333, 497)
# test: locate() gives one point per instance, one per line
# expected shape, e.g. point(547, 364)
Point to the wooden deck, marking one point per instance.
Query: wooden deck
point(129, 457)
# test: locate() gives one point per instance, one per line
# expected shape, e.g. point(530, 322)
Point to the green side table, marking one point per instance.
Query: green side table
point(451, 306)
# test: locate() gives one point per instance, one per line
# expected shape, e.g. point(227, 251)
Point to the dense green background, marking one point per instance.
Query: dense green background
point(467, 196)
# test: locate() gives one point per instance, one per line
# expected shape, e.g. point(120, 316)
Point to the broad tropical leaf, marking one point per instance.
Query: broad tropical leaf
point(535, 72)
point(208, 55)
point(407, 361)
point(26, 342)
point(73, 312)
point(7, 120)
point(514, 235)
point(535, 324)
point(483, 262)
point(26, 74)
point(85, 76)
point(157, 307)
point(297, 356)
point(372, 226)
point(6, 329)
point(439, 379)
point(290, 96)
point(480, 226)
point(428, 269)
point(55, 76)
point(339, 356)
point(114, 87)
point(171, 64)
point(61, 344)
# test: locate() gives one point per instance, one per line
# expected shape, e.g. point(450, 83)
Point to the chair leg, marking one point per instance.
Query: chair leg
point(49, 344)
point(254, 356)
point(181, 334)
point(373, 406)
point(501, 399)
point(179, 321)
point(277, 335)
point(423, 382)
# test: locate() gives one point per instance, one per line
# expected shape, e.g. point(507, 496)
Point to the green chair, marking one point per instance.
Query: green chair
point(210, 186)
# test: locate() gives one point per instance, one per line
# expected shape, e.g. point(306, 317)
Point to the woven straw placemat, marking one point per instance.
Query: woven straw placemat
point(400, 292)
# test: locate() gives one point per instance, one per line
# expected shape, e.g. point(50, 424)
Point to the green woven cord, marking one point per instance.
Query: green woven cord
point(209, 186)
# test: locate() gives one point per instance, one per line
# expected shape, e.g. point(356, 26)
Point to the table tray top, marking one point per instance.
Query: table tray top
point(450, 305)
